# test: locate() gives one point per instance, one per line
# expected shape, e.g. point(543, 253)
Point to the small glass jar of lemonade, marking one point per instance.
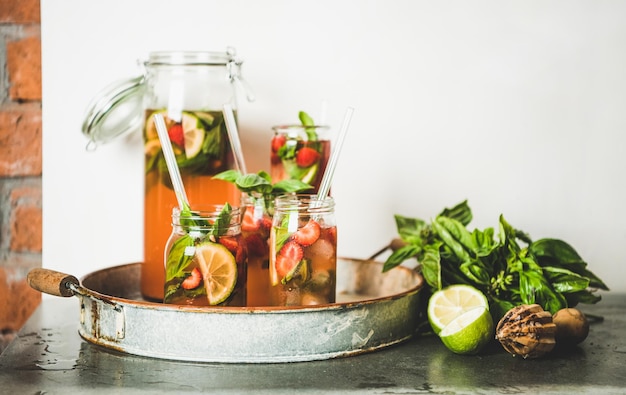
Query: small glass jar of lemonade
point(205, 258)
point(303, 251)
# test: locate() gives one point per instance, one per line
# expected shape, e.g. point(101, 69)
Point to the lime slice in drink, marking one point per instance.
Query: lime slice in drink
point(219, 271)
point(306, 175)
point(309, 176)
point(193, 133)
point(447, 304)
point(469, 332)
point(205, 117)
point(301, 271)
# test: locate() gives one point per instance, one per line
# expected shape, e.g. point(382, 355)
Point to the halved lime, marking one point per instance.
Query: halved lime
point(193, 133)
point(469, 332)
point(447, 304)
point(219, 271)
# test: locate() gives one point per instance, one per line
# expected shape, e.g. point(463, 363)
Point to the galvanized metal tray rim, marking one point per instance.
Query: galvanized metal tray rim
point(242, 310)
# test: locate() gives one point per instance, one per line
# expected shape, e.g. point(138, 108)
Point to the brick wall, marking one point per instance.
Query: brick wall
point(20, 161)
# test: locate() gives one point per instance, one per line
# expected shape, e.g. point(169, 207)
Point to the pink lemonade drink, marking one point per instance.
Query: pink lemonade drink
point(205, 258)
point(258, 195)
point(299, 153)
point(303, 251)
point(255, 228)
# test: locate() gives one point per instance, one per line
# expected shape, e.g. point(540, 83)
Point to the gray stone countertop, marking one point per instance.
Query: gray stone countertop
point(49, 357)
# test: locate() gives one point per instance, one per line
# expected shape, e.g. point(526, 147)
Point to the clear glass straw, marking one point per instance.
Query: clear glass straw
point(233, 134)
point(327, 178)
point(170, 160)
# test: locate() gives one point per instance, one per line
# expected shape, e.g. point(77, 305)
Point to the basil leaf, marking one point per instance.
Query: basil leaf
point(222, 222)
point(306, 120)
point(261, 184)
point(400, 255)
point(586, 296)
point(288, 186)
point(431, 266)
point(254, 183)
point(460, 233)
point(558, 253)
point(555, 250)
point(265, 175)
point(410, 229)
point(461, 212)
point(177, 260)
point(228, 175)
point(535, 288)
point(484, 242)
point(449, 231)
point(476, 272)
point(565, 281)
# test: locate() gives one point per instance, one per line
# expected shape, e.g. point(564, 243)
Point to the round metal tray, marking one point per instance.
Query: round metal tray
point(373, 310)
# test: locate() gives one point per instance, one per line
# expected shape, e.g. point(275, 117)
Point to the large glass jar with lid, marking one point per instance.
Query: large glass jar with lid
point(189, 89)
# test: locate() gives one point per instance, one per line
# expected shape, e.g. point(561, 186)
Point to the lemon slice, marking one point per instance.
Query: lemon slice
point(447, 304)
point(219, 271)
point(152, 147)
point(151, 131)
point(469, 332)
point(193, 133)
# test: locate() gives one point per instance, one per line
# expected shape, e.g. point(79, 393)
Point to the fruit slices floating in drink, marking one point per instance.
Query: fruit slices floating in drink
point(205, 263)
point(199, 141)
point(299, 153)
point(258, 203)
point(303, 251)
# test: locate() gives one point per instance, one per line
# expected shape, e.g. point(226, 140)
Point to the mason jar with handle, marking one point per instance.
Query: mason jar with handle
point(189, 89)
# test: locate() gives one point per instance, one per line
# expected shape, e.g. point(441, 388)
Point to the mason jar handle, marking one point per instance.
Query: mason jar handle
point(244, 86)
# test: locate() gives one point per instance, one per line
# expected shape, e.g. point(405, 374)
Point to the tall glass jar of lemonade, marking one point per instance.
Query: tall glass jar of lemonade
point(189, 89)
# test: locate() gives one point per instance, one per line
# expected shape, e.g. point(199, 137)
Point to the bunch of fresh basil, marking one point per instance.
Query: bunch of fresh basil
point(509, 269)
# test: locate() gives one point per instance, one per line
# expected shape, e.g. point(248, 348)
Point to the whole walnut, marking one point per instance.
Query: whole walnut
point(527, 331)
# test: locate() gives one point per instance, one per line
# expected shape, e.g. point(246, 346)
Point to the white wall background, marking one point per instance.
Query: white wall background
point(517, 106)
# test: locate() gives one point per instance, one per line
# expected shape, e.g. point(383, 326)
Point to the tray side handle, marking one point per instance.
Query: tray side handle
point(51, 282)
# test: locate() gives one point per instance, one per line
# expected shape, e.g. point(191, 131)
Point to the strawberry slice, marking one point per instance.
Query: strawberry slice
point(308, 234)
point(249, 223)
point(266, 223)
point(256, 245)
point(193, 280)
point(274, 159)
point(288, 258)
point(330, 234)
point(307, 156)
point(241, 254)
point(278, 141)
point(176, 135)
point(229, 242)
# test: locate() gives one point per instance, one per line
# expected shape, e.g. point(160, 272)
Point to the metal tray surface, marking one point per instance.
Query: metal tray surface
point(373, 310)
